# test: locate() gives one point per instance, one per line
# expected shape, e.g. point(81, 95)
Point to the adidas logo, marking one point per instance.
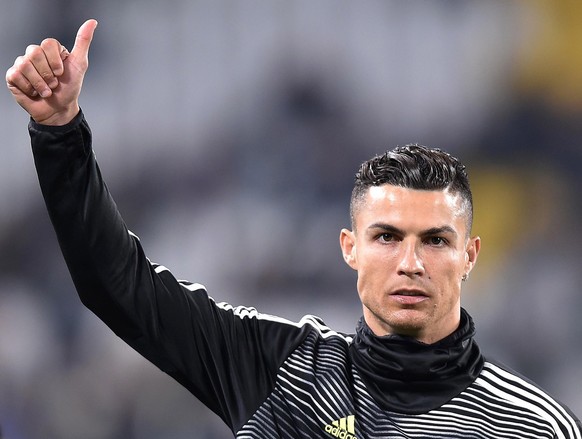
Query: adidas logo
point(342, 428)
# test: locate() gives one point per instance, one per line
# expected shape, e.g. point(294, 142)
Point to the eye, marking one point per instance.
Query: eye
point(436, 241)
point(386, 237)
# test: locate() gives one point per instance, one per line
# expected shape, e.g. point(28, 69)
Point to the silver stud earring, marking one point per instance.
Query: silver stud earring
point(465, 277)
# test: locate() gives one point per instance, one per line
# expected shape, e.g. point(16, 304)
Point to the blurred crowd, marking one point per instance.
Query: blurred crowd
point(229, 133)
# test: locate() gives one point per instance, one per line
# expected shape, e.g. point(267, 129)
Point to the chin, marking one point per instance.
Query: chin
point(410, 322)
point(407, 322)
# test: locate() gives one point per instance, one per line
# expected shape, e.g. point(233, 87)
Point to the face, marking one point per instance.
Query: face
point(411, 249)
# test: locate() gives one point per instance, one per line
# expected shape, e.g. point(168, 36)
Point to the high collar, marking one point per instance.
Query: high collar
point(408, 376)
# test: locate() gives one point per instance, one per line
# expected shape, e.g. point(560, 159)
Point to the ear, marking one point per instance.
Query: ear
point(471, 253)
point(348, 245)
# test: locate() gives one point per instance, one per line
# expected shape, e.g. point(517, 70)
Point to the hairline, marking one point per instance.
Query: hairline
point(357, 201)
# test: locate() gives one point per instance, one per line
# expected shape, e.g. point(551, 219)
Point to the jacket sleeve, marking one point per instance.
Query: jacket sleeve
point(227, 357)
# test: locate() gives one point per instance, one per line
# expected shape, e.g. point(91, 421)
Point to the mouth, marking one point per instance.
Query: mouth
point(409, 297)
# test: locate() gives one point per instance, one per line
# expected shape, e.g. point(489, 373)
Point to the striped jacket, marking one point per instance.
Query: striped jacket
point(265, 376)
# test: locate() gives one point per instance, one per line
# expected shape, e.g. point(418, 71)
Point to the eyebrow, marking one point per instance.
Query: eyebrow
point(428, 232)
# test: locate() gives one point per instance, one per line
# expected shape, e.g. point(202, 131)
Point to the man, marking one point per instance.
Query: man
point(412, 369)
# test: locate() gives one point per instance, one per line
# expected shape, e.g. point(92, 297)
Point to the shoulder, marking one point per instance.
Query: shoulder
point(307, 324)
point(522, 397)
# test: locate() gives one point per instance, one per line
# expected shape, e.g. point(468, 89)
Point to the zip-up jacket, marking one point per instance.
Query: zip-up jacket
point(265, 376)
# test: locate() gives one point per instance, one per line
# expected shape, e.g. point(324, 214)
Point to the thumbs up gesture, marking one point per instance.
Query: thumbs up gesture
point(46, 81)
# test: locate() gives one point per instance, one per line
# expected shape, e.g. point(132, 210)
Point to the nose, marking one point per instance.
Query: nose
point(410, 263)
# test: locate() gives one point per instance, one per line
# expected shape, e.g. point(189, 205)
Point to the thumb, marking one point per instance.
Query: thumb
point(83, 39)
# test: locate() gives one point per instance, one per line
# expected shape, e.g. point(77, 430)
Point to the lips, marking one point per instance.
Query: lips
point(409, 297)
point(406, 292)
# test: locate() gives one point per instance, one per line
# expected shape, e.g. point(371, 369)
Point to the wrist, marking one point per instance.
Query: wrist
point(34, 126)
point(61, 118)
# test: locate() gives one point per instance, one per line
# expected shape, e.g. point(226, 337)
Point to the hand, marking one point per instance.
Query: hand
point(46, 81)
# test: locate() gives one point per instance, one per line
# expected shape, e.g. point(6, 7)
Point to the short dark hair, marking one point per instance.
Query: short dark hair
point(414, 167)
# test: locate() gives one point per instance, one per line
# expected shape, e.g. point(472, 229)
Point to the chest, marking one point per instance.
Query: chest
point(319, 394)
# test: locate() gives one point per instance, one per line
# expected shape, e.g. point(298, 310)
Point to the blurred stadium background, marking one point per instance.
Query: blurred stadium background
point(229, 132)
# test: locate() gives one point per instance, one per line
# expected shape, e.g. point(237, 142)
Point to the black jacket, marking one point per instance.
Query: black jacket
point(265, 376)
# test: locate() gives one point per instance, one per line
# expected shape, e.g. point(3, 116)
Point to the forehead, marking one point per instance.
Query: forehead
point(411, 208)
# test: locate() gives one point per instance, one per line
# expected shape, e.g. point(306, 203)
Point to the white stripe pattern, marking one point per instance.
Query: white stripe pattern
point(317, 386)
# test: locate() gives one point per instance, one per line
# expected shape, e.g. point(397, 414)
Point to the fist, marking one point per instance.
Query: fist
point(46, 81)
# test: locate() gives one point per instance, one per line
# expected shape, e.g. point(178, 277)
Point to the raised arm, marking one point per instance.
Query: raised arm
point(46, 81)
point(228, 357)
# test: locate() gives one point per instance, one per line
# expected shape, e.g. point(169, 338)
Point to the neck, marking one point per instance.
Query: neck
point(406, 375)
point(418, 332)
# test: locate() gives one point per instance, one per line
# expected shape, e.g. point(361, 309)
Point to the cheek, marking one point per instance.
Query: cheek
point(450, 280)
point(448, 263)
point(374, 274)
point(446, 273)
point(375, 265)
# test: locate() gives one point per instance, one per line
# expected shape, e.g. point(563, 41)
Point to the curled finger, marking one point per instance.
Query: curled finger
point(64, 53)
point(53, 51)
point(17, 82)
point(44, 58)
point(34, 68)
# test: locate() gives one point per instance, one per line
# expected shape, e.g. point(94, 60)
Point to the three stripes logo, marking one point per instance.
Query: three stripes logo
point(342, 428)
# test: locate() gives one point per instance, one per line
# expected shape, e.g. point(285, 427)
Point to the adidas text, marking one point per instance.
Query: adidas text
point(338, 432)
